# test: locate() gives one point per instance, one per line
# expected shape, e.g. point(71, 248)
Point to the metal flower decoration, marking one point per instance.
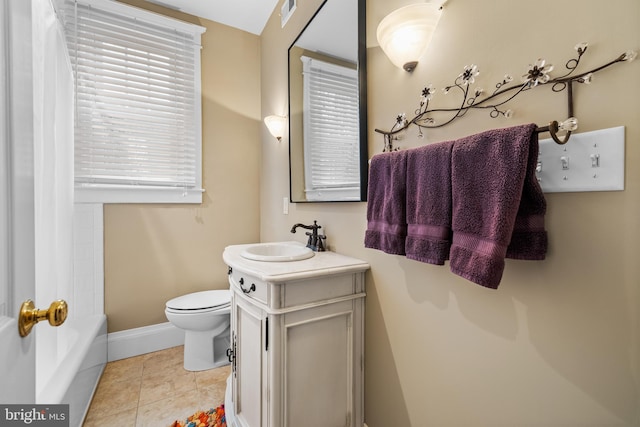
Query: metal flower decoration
point(427, 94)
point(401, 119)
point(630, 55)
point(469, 74)
point(538, 74)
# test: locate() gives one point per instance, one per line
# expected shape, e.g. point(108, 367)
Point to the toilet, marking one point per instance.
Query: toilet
point(205, 318)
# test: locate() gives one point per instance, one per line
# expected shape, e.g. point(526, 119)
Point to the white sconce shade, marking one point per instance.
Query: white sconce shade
point(276, 125)
point(405, 33)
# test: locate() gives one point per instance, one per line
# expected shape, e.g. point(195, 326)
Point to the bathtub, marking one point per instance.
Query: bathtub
point(77, 366)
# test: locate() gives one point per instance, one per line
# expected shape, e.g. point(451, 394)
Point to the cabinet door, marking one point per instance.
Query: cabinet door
point(249, 332)
point(318, 379)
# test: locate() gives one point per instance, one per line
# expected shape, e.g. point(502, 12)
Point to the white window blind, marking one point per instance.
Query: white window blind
point(138, 103)
point(331, 131)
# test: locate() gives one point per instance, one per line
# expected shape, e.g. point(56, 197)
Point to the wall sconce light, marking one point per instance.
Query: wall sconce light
point(405, 33)
point(276, 125)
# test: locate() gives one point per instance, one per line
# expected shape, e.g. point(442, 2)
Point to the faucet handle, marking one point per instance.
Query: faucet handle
point(310, 243)
point(321, 245)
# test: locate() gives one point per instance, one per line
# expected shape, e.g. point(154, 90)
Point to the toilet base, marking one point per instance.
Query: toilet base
point(205, 350)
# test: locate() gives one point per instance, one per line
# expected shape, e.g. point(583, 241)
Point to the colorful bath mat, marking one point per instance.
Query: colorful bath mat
point(212, 418)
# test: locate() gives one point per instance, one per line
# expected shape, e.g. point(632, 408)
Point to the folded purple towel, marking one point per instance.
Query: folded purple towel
point(429, 203)
point(386, 210)
point(529, 237)
point(488, 173)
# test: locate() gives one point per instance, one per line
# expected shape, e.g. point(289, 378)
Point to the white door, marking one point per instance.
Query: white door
point(22, 42)
point(17, 247)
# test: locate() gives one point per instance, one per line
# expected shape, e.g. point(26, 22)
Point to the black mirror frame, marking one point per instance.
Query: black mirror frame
point(362, 106)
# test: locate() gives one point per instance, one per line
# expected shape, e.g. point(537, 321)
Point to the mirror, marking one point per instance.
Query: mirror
point(328, 159)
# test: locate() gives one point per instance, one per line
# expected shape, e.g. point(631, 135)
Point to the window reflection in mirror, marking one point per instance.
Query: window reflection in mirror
point(327, 103)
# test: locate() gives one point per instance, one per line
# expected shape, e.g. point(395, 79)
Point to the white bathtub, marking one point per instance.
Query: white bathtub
point(77, 366)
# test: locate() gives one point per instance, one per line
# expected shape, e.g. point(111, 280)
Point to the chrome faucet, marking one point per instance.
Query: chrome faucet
point(315, 242)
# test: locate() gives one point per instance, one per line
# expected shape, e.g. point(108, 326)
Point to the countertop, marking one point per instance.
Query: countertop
point(322, 263)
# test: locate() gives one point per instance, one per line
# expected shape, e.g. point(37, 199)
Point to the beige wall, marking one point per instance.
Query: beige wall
point(156, 252)
point(558, 343)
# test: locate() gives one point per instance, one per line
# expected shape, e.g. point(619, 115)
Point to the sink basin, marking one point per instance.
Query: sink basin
point(276, 252)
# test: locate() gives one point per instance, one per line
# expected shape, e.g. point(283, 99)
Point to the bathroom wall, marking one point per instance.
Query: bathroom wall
point(558, 344)
point(156, 252)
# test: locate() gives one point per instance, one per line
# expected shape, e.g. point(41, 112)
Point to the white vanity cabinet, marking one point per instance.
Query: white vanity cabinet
point(297, 341)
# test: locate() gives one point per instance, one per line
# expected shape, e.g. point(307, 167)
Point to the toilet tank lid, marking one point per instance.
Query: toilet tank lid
point(200, 300)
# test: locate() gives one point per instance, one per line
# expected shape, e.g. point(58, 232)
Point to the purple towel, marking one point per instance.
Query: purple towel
point(429, 203)
point(529, 237)
point(488, 174)
point(386, 215)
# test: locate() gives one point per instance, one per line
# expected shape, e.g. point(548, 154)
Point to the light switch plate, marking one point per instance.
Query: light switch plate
point(589, 161)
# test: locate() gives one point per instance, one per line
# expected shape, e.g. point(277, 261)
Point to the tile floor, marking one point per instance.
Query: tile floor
point(154, 390)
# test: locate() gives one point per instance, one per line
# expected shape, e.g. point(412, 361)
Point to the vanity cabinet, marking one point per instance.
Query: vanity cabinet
point(297, 341)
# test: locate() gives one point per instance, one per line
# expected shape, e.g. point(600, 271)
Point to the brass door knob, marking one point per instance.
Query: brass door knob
point(30, 315)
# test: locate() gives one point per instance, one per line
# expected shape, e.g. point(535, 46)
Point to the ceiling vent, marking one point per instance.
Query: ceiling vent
point(287, 9)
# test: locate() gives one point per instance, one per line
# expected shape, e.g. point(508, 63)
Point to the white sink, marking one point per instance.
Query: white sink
point(276, 252)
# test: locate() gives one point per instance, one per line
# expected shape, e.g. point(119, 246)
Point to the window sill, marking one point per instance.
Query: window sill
point(351, 194)
point(122, 194)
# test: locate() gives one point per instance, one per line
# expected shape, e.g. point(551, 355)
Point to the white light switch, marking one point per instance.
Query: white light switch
point(589, 161)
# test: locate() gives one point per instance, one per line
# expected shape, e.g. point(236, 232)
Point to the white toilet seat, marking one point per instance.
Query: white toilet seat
point(201, 302)
point(214, 310)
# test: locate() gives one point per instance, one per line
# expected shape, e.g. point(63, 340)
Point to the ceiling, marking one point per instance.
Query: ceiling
point(247, 15)
point(332, 31)
point(234, 12)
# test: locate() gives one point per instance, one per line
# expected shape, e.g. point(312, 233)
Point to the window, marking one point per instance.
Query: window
point(138, 104)
point(331, 132)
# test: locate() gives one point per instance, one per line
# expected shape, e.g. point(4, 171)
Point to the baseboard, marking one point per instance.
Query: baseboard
point(137, 341)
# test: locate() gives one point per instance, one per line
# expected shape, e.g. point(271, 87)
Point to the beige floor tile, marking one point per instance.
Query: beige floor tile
point(154, 390)
point(166, 411)
point(124, 418)
point(173, 382)
point(160, 360)
point(212, 376)
point(212, 396)
point(114, 397)
point(125, 369)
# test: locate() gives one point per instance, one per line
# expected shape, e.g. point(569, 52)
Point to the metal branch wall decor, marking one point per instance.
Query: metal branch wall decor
point(538, 74)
